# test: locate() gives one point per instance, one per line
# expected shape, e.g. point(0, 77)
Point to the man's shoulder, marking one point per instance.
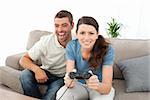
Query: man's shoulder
point(47, 38)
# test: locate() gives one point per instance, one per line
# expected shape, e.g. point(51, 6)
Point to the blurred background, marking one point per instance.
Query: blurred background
point(19, 17)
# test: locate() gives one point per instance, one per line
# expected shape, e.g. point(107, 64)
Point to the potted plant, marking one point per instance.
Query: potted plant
point(113, 28)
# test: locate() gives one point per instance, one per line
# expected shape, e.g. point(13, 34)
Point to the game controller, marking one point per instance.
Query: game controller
point(77, 75)
point(80, 75)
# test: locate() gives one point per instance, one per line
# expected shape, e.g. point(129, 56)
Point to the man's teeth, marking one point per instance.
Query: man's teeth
point(61, 34)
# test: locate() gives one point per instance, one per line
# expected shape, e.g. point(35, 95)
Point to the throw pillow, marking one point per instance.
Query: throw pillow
point(136, 72)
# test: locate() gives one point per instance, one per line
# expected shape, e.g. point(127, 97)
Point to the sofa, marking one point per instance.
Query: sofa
point(125, 49)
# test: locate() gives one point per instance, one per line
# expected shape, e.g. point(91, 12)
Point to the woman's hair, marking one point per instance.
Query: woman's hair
point(100, 47)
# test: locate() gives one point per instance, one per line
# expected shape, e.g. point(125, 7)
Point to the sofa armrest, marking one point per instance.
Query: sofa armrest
point(10, 78)
point(13, 61)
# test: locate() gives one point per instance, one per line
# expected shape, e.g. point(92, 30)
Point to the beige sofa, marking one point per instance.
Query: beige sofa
point(124, 48)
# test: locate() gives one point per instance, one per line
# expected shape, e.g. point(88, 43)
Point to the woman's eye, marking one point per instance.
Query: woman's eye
point(91, 33)
point(82, 32)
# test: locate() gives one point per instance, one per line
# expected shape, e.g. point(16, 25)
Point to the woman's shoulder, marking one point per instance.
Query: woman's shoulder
point(73, 44)
point(110, 49)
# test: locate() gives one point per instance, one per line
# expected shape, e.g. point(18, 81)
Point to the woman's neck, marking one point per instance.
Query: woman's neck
point(86, 53)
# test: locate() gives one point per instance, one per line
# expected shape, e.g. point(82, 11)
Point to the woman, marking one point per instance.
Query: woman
point(89, 51)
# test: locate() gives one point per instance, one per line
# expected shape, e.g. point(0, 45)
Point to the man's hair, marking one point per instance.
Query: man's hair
point(65, 13)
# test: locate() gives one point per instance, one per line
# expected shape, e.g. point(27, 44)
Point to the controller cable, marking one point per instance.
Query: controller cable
point(65, 90)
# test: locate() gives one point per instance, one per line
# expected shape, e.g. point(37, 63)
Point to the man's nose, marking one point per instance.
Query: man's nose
point(59, 29)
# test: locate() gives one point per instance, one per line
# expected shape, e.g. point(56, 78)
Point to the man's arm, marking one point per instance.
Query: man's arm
point(27, 63)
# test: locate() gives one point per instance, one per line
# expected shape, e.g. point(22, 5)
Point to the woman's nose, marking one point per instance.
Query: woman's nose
point(86, 36)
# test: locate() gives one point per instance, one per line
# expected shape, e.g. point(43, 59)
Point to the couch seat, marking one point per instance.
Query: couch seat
point(119, 86)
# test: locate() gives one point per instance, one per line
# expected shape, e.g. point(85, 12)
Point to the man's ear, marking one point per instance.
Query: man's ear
point(72, 24)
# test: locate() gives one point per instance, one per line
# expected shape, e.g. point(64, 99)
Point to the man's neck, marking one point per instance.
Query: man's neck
point(66, 41)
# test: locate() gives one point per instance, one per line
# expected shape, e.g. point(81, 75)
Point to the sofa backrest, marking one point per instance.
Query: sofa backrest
point(35, 36)
point(128, 48)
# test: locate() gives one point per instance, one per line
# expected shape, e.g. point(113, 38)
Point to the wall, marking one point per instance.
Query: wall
point(19, 17)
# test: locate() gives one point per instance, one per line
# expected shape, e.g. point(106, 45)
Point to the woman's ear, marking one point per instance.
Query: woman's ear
point(97, 35)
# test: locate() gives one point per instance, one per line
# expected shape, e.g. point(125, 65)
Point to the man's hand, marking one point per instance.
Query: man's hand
point(40, 76)
point(93, 82)
point(69, 82)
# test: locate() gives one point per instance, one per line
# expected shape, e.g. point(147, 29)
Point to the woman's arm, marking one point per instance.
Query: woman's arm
point(106, 84)
point(103, 87)
point(69, 68)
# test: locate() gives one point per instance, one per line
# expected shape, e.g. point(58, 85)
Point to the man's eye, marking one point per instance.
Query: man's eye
point(64, 25)
point(56, 25)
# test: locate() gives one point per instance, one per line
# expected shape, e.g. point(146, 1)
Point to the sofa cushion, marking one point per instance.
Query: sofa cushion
point(116, 72)
point(128, 48)
point(35, 36)
point(120, 93)
point(136, 73)
point(13, 61)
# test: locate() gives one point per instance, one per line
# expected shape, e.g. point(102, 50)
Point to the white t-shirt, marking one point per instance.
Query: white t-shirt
point(51, 53)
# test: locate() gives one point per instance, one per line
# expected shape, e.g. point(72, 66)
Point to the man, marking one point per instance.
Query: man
point(51, 51)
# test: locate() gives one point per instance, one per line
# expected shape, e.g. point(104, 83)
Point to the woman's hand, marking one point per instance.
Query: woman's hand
point(68, 81)
point(93, 82)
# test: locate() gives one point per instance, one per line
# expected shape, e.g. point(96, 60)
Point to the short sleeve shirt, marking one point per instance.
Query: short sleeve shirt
point(73, 52)
point(51, 54)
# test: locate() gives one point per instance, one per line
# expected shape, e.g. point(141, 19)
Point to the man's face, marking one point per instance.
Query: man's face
point(62, 28)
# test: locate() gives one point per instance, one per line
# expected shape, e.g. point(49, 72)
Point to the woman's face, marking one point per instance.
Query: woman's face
point(87, 36)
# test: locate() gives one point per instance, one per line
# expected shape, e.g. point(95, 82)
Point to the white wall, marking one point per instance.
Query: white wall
point(19, 17)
